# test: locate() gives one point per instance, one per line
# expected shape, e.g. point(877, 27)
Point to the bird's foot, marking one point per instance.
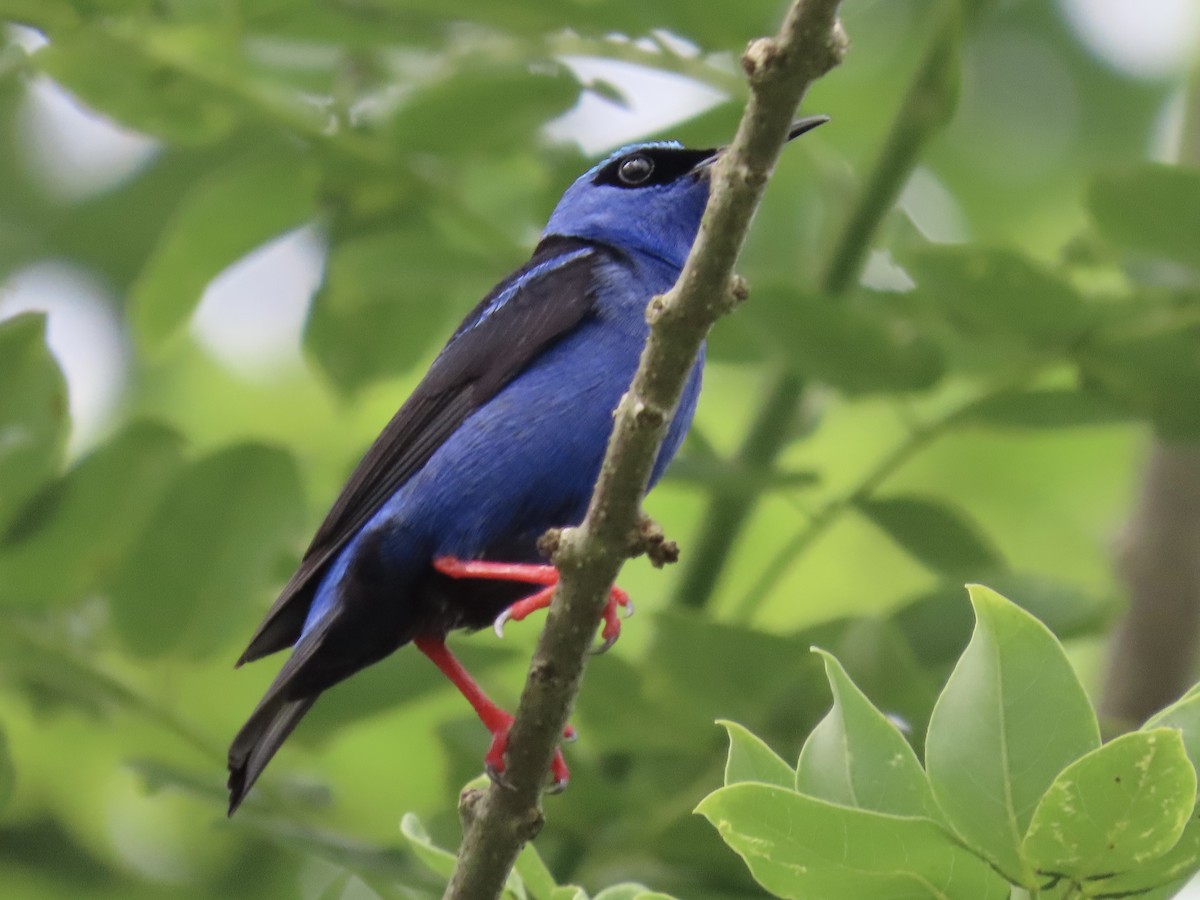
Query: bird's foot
point(617, 600)
point(534, 573)
point(496, 766)
point(494, 719)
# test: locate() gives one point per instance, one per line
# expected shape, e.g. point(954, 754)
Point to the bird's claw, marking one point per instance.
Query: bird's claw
point(498, 777)
point(501, 620)
point(562, 777)
point(617, 600)
point(523, 608)
point(558, 769)
point(605, 646)
point(495, 766)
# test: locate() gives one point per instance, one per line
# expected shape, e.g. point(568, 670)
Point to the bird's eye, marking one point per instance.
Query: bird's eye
point(635, 169)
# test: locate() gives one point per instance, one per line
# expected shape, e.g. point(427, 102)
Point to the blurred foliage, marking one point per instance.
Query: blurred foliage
point(1027, 313)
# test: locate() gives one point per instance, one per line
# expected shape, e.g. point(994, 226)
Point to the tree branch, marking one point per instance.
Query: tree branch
point(827, 515)
point(498, 821)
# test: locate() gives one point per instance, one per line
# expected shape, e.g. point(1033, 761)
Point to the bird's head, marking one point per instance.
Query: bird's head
point(645, 197)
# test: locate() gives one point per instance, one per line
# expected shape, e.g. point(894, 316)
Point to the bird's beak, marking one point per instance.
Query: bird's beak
point(808, 123)
point(799, 127)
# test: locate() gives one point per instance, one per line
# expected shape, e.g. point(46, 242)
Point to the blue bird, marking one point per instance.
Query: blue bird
point(437, 528)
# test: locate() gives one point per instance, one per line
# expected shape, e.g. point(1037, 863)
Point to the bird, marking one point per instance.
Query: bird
point(437, 527)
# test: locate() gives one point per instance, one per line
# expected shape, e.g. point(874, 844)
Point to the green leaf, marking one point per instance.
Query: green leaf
point(857, 757)
point(33, 412)
point(804, 848)
point(1161, 877)
point(223, 218)
point(385, 868)
point(937, 624)
point(1183, 715)
point(996, 295)
point(629, 891)
point(376, 314)
point(684, 695)
point(8, 776)
point(626, 891)
point(1151, 210)
point(1114, 809)
point(882, 663)
point(1151, 371)
point(456, 115)
point(852, 345)
point(41, 14)
point(441, 862)
point(1011, 717)
point(934, 533)
point(207, 550)
point(151, 80)
point(539, 881)
point(750, 759)
point(73, 536)
point(1052, 408)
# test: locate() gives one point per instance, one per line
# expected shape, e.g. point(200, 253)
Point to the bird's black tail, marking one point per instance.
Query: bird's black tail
point(352, 634)
point(264, 732)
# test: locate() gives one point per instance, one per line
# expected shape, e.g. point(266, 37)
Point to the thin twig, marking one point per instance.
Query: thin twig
point(497, 822)
point(917, 439)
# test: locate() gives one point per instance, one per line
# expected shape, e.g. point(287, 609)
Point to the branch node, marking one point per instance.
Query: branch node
point(838, 44)
point(468, 807)
point(530, 825)
point(548, 544)
point(739, 290)
point(759, 58)
point(647, 416)
point(656, 309)
point(651, 541)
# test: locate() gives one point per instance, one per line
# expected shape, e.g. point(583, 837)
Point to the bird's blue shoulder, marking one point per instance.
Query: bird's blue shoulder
point(554, 255)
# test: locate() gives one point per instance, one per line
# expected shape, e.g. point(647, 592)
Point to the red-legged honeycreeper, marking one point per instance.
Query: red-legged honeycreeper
point(502, 440)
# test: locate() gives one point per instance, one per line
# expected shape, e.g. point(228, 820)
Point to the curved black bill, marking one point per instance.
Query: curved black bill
point(808, 123)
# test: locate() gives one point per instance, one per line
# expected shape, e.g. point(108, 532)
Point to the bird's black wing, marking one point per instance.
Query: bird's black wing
point(539, 303)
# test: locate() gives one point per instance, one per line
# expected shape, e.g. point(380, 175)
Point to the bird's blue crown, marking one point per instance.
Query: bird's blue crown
point(647, 198)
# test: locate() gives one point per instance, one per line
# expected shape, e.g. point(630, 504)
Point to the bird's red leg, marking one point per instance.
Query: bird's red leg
point(533, 573)
point(494, 719)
